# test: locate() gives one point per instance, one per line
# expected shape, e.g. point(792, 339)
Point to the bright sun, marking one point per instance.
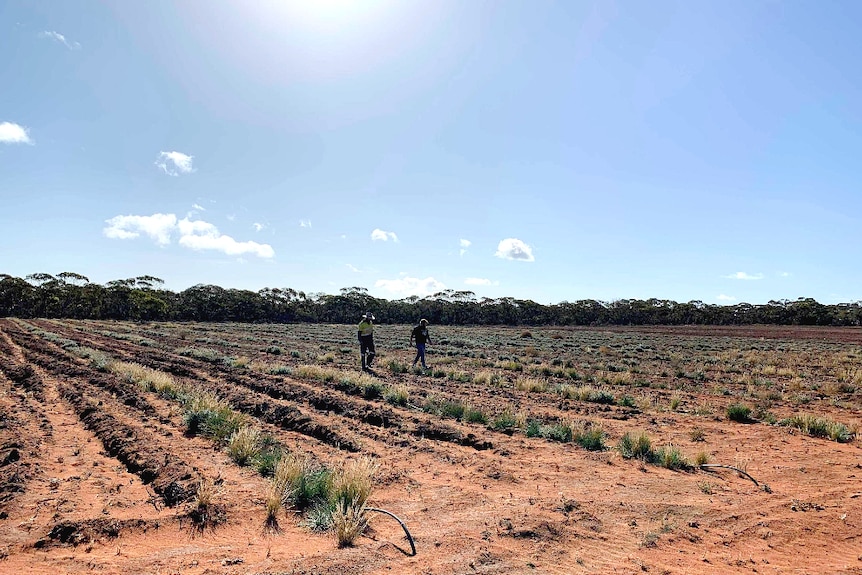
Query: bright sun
point(322, 16)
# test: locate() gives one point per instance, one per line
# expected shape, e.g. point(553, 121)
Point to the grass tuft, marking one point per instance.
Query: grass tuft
point(638, 446)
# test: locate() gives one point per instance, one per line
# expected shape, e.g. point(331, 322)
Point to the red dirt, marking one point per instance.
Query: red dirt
point(94, 459)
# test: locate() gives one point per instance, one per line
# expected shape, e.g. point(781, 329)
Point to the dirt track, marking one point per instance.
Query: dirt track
point(95, 474)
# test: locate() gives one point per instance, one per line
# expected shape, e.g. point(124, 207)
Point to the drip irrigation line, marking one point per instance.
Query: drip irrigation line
point(403, 526)
point(738, 470)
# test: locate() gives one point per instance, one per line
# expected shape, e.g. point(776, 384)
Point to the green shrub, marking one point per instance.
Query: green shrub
point(397, 367)
point(454, 409)
point(590, 437)
point(504, 421)
point(697, 434)
point(562, 432)
point(268, 457)
point(637, 446)
point(739, 413)
point(626, 401)
point(820, 427)
point(319, 517)
point(671, 458)
point(473, 415)
point(223, 423)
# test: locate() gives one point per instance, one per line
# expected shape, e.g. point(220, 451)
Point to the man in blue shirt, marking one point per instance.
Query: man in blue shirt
point(420, 334)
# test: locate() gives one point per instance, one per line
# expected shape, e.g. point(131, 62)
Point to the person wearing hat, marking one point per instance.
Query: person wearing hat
point(366, 340)
point(420, 334)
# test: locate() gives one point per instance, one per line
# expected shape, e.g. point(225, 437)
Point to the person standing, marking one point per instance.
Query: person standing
point(420, 334)
point(366, 340)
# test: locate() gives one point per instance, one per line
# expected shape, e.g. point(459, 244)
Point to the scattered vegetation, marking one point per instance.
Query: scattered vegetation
point(820, 427)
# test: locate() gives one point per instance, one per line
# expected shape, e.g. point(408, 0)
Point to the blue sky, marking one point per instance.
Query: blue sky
point(552, 151)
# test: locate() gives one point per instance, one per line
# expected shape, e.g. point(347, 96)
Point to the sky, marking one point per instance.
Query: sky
point(552, 151)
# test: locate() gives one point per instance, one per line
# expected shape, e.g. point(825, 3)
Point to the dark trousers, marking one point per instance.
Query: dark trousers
point(366, 350)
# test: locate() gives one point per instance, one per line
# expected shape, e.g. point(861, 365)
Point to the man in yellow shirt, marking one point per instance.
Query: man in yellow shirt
point(366, 340)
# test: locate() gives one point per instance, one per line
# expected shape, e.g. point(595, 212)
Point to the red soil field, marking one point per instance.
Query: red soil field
point(96, 475)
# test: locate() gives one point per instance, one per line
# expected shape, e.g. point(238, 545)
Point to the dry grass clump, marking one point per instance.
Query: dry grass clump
point(351, 487)
point(398, 394)
point(205, 511)
point(349, 521)
point(586, 393)
point(510, 365)
point(353, 482)
point(618, 377)
point(146, 378)
point(850, 374)
point(316, 372)
point(244, 444)
point(531, 384)
point(274, 502)
point(486, 377)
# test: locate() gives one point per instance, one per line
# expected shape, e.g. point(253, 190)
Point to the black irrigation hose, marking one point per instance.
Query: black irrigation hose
point(403, 526)
point(740, 471)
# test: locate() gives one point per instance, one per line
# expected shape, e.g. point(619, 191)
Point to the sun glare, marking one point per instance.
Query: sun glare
point(322, 16)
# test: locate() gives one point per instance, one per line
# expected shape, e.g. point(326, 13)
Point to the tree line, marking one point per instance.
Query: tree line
point(71, 295)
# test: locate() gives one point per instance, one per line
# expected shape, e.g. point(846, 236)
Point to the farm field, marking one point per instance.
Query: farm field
point(521, 450)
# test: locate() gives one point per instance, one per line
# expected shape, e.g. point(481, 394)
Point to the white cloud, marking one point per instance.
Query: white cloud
point(480, 282)
point(464, 245)
point(722, 297)
point(196, 235)
point(352, 268)
point(57, 37)
point(514, 249)
point(199, 207)
point(744, 276)
point(14, 134)
point(157, 226)
point(226, 244)
point(784, 274)
point(305, 223)
point(382, 236)
point(257, 226)
point(407, 286)
point(175, 163)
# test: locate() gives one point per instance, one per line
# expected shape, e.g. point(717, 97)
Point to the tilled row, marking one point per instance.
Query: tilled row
point(373, 414)
point(20, 436)
point(284, 412)
point(491, 400)
point(172, 479)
